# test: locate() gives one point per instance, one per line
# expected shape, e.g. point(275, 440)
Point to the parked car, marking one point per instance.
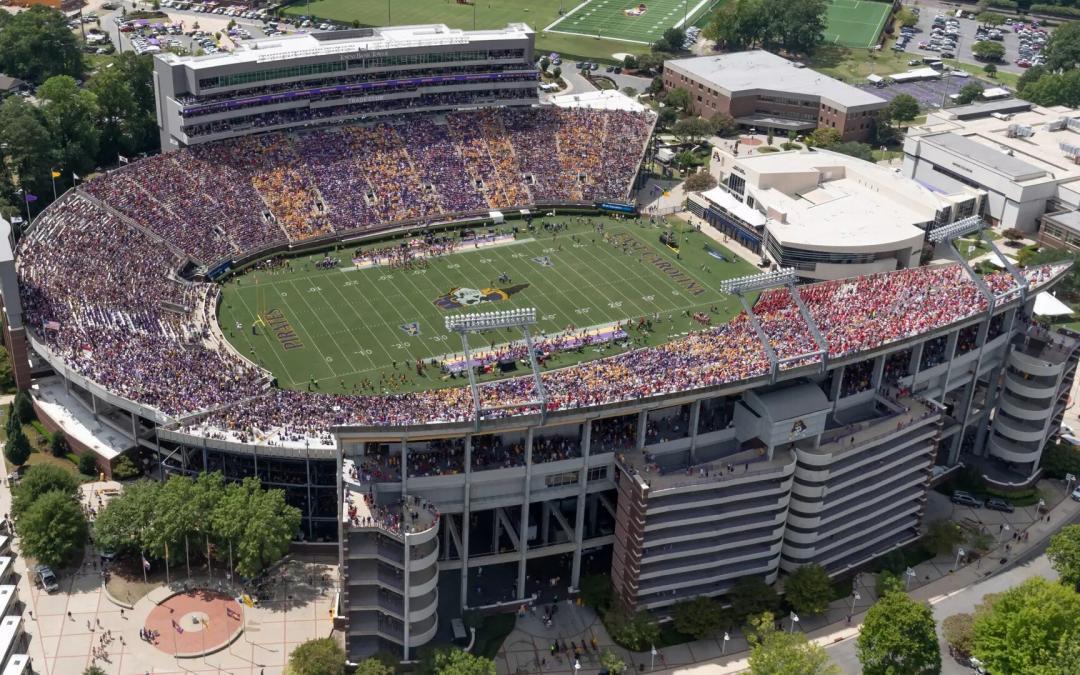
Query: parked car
point(965, 499)
point(998, 504)
point(45, 579)
point(1076, 495)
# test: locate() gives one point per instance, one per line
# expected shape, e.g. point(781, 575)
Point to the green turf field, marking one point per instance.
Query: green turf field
point(609, 18)
point(353, 325)
point(855, 23)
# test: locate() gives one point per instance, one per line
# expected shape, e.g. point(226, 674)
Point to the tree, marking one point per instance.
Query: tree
point(656, 86)
point(1055, 89)
point(666, 117)
point(321, 656)
point(907, 18)
point(26, 144)
point(637, 631)
point(1064, 554)
point(808, 590)
point(39, 480)
point(630, 62)
point(990, 70)
point(17, 449)
point(37, 44)
point(988, 50)
point(454, 661)
point(887, 582)
point(685, 159)
point(798, 25)
point(942, 536)
point(556, 73)
point(58, 444)
point(596, 591)
point(630, 92)
point(692, 130)
point(678, 98)
point(823, 137)
point(53, 530)
point(671, 41)
point(1032, 74)
point(1023, 629)
point(969, 93)
point(88, 465)
point(738, 25)
point(699, 182)
point(882, 132)
point(723, 124)
point(71, 116)
point(898, 636)
point(650, 62)
point(93, 670)
point(611, 661)
point(373, 666)
point(120, 526)
point(125, 97)
point(903, 108)
point(750, 596)
point(24, 407)
point(774, 652)
point(1063, 48)
point(258, 522)
point(699, 618)
point(991, 19)
point(861, 151)
point(545, 63)
point(959, 633)
point(125, 469)
point(1059, 459)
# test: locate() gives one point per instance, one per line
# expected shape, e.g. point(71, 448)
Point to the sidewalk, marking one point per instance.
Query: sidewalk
point(527, 649)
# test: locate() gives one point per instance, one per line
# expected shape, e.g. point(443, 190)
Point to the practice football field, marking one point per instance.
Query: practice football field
point(346, 328)
point(855, 23)
point(626, 20)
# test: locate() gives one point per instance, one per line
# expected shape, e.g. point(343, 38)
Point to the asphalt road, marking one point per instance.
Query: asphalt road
point(1033, 563)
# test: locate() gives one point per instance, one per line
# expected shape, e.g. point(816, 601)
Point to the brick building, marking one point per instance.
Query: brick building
point(768, 92)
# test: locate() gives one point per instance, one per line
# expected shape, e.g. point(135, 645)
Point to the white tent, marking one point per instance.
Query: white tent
point(1048, 305)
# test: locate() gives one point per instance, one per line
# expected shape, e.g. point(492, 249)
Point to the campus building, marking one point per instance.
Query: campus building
point(824, 214)
point(767, 92)
point(1024, 157)
point(310, 79)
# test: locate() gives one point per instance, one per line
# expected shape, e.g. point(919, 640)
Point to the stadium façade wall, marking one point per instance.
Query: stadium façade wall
point(780, 491)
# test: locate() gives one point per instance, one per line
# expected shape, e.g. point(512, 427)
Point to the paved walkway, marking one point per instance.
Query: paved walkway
point(528, 648)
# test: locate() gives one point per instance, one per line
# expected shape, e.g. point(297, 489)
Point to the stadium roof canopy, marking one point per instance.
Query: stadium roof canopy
point(607, 99)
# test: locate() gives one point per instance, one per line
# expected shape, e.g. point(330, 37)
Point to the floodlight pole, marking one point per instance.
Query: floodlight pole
point(473, 386)
point(536, 372)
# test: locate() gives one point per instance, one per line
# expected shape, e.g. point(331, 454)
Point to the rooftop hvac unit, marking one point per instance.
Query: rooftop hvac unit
point(1070, 150)
point(1020, 131)
point(1073, 123)
point(1058, 124)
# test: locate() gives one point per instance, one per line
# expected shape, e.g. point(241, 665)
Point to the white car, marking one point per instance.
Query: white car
point(1076, 495)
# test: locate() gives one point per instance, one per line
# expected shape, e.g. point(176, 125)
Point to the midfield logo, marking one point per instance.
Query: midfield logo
point(462, 296)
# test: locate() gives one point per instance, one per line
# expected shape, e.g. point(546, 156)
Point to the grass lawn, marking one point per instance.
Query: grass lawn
point(853, 65)
point(357, 325)
point(1006, 78)
point(887, 154)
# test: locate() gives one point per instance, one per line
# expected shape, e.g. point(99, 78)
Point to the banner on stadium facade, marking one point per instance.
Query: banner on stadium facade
point(617, 207)
point(219, 270)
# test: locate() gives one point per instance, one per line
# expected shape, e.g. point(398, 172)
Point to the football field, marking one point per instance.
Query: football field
point(340, 329)
point(855, 23)
point(631, 21)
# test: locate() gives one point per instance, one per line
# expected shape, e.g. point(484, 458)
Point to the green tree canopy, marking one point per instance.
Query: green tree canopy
point(808, 590)
point(125, 97)
point(751, 596)
point(671, 41)
point(988, 51)
point(26, 145)
point(699, 618)
point(37, 44)
point(861, 151)
point(1064, 554)
point(1032, 74)
point(24, 407)
point(774, 652)
point(723, 124)
point(1063, 48)
point(898, 636)
point(903, 108)
point(71, 116)
point(692, 129)
point(991, 19)
point(53, 529)
point(612, 662)
point(374, 666)
point(678, 98)
point(121, 526)
point(796, 26)
point(969, 93)
point(1059, 459)
point(637, 631)
point(17, 448)
point(699, 182)
point(454, 661)
point(823, 137)
point(942, 536)
point(1055, 89)
point(1024, 629)
point(321, 656)
point(38, 480)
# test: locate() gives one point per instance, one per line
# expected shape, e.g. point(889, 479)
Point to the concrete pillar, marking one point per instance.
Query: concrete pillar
point(466, 517)
point(837, 381)
point(339, 482)
point(594, 507)
point(695, 416)
point(545, 522)
point(310, 499)
point(878, 374)
point(579, 510)
point(916, 359)
point(404, 467)
point(523, 529)
point(642, 424)
point(135, 427)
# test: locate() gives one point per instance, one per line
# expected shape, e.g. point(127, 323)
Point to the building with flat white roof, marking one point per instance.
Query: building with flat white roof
point(12, 638)
point(1026, 159)
point(760, 89)
point(308, 79)
point(828, 215)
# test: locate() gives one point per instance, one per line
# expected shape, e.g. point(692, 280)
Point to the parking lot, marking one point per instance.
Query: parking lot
point(966, 30)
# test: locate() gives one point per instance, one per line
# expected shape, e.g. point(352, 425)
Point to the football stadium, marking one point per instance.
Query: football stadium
point(372, 270)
